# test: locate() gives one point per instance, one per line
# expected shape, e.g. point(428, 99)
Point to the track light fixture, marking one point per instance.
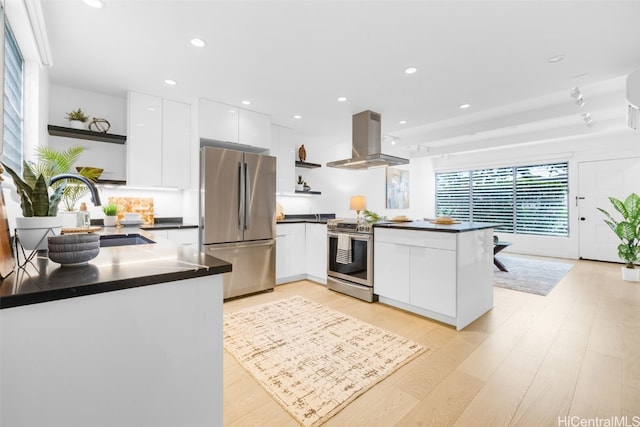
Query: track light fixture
point(587, 119)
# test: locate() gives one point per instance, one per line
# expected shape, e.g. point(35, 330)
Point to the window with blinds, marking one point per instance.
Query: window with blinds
point(13, 88)
point(525, 199)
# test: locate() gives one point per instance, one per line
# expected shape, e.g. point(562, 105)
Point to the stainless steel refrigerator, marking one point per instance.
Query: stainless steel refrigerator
point(238, 216)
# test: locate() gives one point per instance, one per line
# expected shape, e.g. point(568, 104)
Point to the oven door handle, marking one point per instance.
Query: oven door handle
point(364, 238)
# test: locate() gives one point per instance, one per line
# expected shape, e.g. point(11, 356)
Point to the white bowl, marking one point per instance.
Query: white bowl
point(132, 216)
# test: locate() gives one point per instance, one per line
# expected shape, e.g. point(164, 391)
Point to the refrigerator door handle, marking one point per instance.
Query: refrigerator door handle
point(247, 195)
point(241, 199)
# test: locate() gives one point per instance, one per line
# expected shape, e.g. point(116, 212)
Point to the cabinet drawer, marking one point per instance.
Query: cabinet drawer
point(425, 239)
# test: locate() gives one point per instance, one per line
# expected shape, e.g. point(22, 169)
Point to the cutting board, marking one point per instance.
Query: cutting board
point(7, 261)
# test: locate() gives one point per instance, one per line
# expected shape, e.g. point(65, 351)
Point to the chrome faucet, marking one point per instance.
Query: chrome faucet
point(95, 197)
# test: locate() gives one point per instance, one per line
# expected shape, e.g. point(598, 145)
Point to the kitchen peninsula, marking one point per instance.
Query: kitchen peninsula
point(444, 272)
point(134, 338)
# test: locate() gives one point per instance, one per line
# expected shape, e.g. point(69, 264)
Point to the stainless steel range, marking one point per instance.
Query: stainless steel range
point(350, 258)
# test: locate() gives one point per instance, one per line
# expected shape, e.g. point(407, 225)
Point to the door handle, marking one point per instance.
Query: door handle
point(582, 218)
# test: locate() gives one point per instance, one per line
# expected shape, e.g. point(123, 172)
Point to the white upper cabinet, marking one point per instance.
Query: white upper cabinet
point(144, 145)
point(218, 121)
point(227, 123)
point(176, 143)
point(158, 146)
point(254, 129)
point(284, 149)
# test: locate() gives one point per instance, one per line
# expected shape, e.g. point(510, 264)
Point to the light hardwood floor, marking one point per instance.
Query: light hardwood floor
point(529, 361)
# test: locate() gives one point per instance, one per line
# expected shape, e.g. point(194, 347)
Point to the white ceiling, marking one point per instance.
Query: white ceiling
point(297, 57)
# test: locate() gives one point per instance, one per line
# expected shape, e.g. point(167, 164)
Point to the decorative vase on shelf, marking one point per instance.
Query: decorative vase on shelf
point(77, 124)
point(302, 153)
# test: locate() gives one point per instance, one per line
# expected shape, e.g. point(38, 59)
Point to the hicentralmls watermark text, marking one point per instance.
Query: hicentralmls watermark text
point(621, 421)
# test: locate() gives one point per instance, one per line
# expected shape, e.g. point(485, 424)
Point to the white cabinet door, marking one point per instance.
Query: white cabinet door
point(433, 280)
point(297, 255)
point(176, 144)
point(254, 129)
point(218, 121)
point(391, 276)
point(316, 251)
point(144, 140)
point(184, 236)
point(282, 252)
point(284, 148)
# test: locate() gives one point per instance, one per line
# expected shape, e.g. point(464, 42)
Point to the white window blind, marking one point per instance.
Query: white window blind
point(524, 199)
point(13, 114)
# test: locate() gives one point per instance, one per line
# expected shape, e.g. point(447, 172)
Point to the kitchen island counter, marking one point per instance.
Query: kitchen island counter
point(444, 272)
point(430, 226)
point(132, 339)
point(115, 268)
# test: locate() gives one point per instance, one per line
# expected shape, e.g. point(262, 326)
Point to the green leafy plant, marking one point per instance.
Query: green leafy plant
point(300, 181)
point(627, 230)
point(110, 209)
point(77, 115)
point(33, 189)
point(371, 217)
point(53, 162)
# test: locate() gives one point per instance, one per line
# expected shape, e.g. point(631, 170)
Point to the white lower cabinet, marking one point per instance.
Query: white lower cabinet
point(316, 252)
point(433, 280)
point(301, 252)
point(290, 252)
point(392, 270)
point(440, 275)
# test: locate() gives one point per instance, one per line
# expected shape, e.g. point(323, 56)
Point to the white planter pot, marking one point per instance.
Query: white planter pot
point(33, 231)
point(77, 124)
point(299, 187)
point(110, 220)
point(631, 274)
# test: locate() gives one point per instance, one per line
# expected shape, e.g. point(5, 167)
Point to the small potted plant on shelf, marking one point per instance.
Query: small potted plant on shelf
point(77, 119)
point(300, 184)
point(628, 231)
point(110, 214)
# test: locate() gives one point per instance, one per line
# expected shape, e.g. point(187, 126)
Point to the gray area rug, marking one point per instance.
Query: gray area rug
point(533, 276)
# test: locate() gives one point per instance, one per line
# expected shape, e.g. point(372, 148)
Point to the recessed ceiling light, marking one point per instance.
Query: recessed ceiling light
point(342, 98)
point(96, 4)
point(245, 102)
point(403, 122)
point(297, 116)
point(410, 70)
point(197, 42)
point(170, 82)
point(556, 58)
point(463, 106)
point(232, 111)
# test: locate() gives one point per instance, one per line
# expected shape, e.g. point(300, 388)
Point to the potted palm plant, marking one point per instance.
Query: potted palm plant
point(628, 231)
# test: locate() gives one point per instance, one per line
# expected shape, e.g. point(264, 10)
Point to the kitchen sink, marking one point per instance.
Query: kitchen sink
point(123, 240)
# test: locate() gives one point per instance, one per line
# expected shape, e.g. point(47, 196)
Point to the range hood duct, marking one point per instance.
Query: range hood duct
point(366, 145)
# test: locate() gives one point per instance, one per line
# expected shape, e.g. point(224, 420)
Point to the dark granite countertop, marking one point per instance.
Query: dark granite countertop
point(429, 226)
point(306, 218)
point(115, 268)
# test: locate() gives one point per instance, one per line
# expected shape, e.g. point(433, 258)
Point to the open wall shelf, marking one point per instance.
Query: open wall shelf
point(300, 164)
point(86, 134)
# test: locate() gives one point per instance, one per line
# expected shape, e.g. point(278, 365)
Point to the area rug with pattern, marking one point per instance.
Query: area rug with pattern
point(534, 276)
point(313, 360)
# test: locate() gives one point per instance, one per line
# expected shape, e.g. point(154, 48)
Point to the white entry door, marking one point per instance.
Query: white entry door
point(597, 182)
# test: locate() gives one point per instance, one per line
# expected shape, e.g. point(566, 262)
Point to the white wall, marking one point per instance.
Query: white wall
point(338, 185)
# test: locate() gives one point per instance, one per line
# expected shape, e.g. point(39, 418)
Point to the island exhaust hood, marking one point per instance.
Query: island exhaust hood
point(366, 145)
